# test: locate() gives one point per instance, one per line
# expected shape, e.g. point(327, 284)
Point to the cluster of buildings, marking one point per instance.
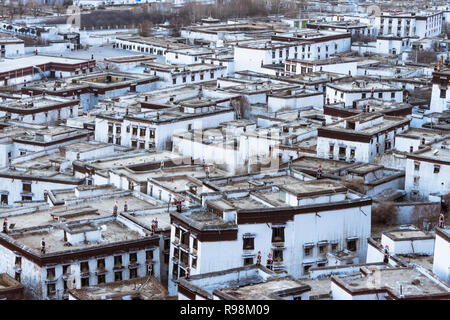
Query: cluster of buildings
point(273, 159)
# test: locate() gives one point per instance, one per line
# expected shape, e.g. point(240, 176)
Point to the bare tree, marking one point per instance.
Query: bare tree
point(422, 215)
point(145, 28)
point(423, 56)
point(385, 213)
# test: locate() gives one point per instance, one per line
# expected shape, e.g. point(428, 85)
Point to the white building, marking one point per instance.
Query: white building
point(154, 130)
point(389, 284)
point(427, 170)
point(308, 46)
point(92, 246)
point(172, 75)
point(359, 138)
point(440, 93)
point(421, 24)
point(334, 65)
point(296, 222)
point(264, 284)
point(348, 92)
point(10, 46)
point(441, 262)
point(40, 109)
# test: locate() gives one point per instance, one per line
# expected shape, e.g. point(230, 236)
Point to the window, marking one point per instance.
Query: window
point(174, 80)
point(192, 78)
point(392, 95)
point(133, 273)
point(342, 151)
point(110, 128)
point(278, 234)
point(134, 143)
point(17, 276)
point(85, 282)
point(436, 169)
point(249, 243)
point(363, 95)
point(212, 75)
point(149, 255)
point(380, 95)
point(322, 249)
point(194, 263)
point(202, 76)
point(26, 187)
point(101, 279)
point(101, 264)
point(184, 79)
point(306, 269)
point(351, 245)
point(331, 148)
point(142, 145)
point(334, 247)
point(135, 131)
point(443, 92)
point(195, 244)
point(248, 261)
point(50, 273)
point(18, 262)
point(133, 257)
point(84, 267)
point(118, 261)
point(118, 276)
point(118, 129)
point(352, 153)
point(308, 251)
point(278, 255)
point(51, 289)
point(4, 199)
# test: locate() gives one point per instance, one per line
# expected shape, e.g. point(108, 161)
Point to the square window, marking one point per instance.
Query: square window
point(133, 273)
point(436, 169)
point(351, 245)
point(278, 255)
point(248, 261)
point(118, 276)
point(278, 234)
point(118, 261)
point(306, 269)
point(51, 289)
point(84, 267)
point(307, 251)
point(85, 282)
point(249, 243)
point(101, 264)
point(101, 279)
point(50, 273)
